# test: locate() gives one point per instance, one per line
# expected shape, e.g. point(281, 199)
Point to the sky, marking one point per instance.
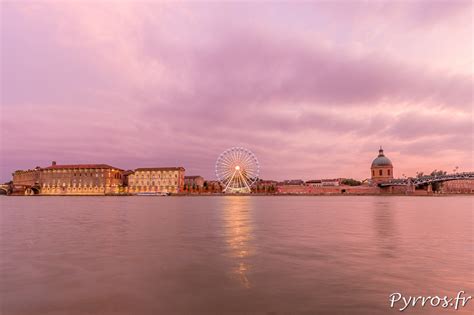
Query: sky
point(313, 89)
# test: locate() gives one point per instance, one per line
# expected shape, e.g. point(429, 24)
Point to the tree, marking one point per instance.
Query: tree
point(437, 186)
point(434, 186)
point(419, 174)
point(438, 173)
point(350, 182)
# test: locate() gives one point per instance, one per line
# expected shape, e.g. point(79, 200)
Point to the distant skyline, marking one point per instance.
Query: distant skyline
point(313, 89)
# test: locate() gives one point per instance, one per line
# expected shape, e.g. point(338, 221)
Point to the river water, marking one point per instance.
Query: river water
point(233, 254)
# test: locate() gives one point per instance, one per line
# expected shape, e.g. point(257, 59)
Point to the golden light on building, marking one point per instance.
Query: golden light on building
point(156, 180)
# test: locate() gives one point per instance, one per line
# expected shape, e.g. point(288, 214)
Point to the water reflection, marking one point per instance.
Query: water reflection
point(238, 228)
point(121, 223)
point(385, 229)
point(232, 254)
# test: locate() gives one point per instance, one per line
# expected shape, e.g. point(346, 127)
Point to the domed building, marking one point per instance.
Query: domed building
point(382, 168)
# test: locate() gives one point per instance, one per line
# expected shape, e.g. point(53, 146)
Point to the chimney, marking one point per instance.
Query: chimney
point(53, 163)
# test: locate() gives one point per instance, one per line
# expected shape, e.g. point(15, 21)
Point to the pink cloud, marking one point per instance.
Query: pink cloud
point(141, 85)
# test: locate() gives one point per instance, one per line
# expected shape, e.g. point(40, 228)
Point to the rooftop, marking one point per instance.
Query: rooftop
point(71, 166)
point(144, 169)
point(381, 159)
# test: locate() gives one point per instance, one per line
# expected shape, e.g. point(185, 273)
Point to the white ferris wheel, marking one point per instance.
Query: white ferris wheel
point(237, 169)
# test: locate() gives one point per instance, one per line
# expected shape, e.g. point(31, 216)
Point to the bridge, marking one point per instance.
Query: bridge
point(11, 189)
point(5, 189)
point(427, 180)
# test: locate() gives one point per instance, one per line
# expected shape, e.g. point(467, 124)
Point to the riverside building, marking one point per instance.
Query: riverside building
point(194, 181)
point(156, 180)
point(27, 177)
point(381, 169)
point(80, 179)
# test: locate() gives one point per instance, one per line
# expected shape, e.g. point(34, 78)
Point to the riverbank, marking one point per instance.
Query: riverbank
point(421, 194)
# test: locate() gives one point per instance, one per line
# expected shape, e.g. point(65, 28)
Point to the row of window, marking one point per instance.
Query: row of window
point(169, 182)
point(77, 170)
point(155, 172)
point(68, 185)
point(115, 175)
point(25, 176)
point(57, 189)
point(69, 182)
point(153, 176)
point(381, 172)
point(152, 189)
point(97, 175)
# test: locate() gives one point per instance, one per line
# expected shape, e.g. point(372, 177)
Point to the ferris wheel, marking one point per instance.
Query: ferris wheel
point(237, 169)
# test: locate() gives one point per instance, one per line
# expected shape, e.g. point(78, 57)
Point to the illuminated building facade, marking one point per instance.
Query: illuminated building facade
point(80, 179)
point(156, 180)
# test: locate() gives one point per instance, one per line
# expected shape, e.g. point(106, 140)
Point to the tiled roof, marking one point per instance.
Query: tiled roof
point(71, 166)
point(141, 169)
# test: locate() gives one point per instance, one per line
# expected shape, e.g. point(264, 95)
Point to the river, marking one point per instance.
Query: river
point(233, 254)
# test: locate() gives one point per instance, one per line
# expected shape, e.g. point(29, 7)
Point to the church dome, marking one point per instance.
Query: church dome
point(381, 160)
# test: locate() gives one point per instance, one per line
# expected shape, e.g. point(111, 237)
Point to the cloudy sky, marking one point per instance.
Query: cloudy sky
point(313, 89)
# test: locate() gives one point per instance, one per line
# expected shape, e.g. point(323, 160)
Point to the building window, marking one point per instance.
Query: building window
point(380, 172)
point(373, 173)
point(388, 172)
